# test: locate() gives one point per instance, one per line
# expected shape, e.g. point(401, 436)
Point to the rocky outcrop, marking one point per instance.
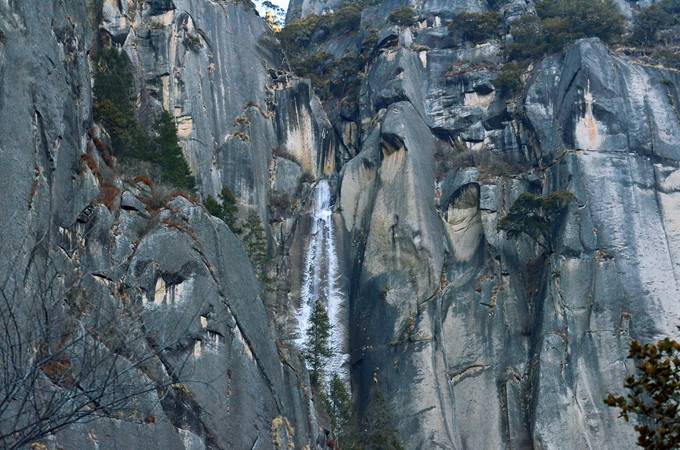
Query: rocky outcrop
point(478, 340)
point(174, 281)
point(475, 340)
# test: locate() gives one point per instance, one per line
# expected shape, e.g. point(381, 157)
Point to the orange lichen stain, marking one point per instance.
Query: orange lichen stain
point(587, 128)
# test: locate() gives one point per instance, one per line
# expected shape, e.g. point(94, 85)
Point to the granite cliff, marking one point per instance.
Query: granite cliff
point(381, 185)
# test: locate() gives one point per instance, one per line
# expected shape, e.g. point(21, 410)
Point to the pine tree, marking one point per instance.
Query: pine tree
point(226, 209)
point(341, 413)
point(114, 104)
point(230, 209)
point(255, 242)
point(653, 394)
point(536, 216)
point(213, 207)
point(317, 349)
point(168, 154)
point(378, 432)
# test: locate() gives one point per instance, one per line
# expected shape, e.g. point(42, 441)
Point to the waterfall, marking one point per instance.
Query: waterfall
point(320, 282)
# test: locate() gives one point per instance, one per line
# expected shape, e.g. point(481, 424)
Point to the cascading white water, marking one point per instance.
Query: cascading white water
point(320, 282)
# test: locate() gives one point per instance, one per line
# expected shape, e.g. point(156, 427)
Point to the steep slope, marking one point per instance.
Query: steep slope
point(381, 197)
point(479, 340)
point(153, 282)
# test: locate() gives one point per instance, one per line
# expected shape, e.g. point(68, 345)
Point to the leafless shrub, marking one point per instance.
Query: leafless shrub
point(66, 360)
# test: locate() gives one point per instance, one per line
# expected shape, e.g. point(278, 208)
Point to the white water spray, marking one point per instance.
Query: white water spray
point(320, 281)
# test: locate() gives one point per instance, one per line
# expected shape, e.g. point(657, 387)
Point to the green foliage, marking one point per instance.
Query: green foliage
point(528, 40)
point(317, 349)
point(114, 108)
point(377, 430)
point(509, 78)
point(318, 67)
point(168, 155)
point(653, 394)
point(405, 16)
point(476, 27)
point(229, 209)
point(560, 22)
point(341, 412)
point(255, 243)
point(536, 216)
point(298, 33)
point(654, 26)
point(225, 209)
point(193, 43)
point(332, 78)
point(213, 206)
point(649, 21)
point(114, 105)
point(346, 19)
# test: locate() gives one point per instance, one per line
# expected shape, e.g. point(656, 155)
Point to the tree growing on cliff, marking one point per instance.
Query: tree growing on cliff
point(229, 209)
point(255, 243)
point(114, 105)
point(653, 394)
point(657, 17)
point(225, 208)
point(476, 27)
point(536, 216)
point(317, 349)
point(168, 154)
point(557, 24)
point(342, 415)
point(405, 16)
point(378, 433)
point(115, 109)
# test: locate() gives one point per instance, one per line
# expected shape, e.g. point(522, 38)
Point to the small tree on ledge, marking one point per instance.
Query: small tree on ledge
point(255, 242)
point(536, 216)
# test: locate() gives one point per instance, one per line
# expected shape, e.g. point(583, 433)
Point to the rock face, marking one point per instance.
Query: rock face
point(174, 281)
point(476, 340)
point(480, 341)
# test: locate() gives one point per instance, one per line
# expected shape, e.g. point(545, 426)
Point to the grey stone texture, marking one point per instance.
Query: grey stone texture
point(477, 341)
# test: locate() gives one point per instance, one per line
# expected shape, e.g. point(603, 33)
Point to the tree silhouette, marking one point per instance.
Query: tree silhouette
point(536, 216)
point(65, 359)
point(378, 433)
point(317, 350)
point(342, 416)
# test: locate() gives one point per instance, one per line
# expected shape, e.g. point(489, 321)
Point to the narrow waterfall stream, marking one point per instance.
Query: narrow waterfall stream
point(320, 282)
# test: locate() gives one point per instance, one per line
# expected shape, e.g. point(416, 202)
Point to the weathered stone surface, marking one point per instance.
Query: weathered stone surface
point(514, 348)
point(159, 267)
point(286, 176)
point(477, 341)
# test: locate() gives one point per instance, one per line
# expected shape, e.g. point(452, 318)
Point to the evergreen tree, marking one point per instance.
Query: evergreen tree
point(168, 154)
point(225, 209)
point(378, 432)
point(114, 104)
point(230, 209)
point(255, 242)
point(317, 349)
point(115, 109)
point(342, 415)
point(213, 206)
point(536, 216)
